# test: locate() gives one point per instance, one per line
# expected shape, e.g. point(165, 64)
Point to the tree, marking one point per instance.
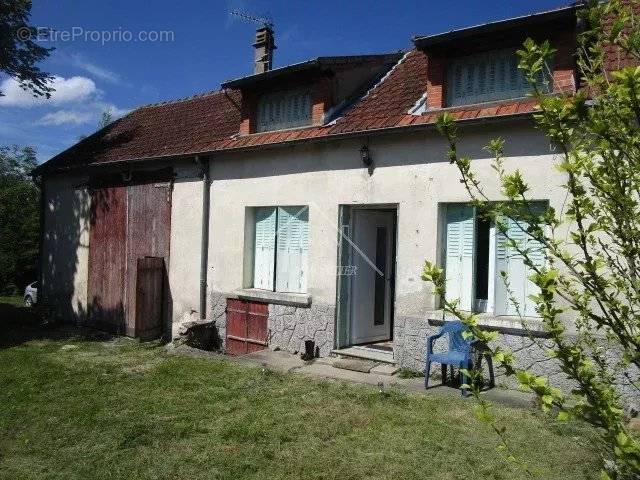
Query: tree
point(105, 119)
point(593, 276)
point(19, 219)
point(19, 54)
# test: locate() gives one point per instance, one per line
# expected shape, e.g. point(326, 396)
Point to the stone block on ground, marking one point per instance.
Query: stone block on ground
point(384, 369)
point(356, 365)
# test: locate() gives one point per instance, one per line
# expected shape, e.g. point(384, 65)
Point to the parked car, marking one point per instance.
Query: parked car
point(31, 295)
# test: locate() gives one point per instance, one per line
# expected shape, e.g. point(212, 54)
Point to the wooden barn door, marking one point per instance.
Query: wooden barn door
point(128, 222)
point(107, 263)
point(148, 235)
point(247, 329)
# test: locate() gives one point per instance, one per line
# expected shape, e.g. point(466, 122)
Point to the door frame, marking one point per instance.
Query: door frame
point(343, 326)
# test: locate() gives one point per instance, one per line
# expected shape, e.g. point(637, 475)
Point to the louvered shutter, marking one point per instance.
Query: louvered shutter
point(485, 77)
point(460, 243)
point(284, 110)
point(293, 247)
point(264, 248)
point(508, 260)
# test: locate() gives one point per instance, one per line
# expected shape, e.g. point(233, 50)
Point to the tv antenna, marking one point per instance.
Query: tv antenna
point(264, 21)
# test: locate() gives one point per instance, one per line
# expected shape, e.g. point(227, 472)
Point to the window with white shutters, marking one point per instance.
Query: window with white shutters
point(277, 111)
point(485, 77)
point(462, 249)
point(281, 248)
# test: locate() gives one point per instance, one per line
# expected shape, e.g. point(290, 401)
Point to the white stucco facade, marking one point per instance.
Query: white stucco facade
point(410, 171)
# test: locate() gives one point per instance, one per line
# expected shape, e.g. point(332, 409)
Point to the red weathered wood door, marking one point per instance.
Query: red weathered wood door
point(107, 262)
point(149, 297)
point(148, 235)
point(247, 329)
point(128, 222)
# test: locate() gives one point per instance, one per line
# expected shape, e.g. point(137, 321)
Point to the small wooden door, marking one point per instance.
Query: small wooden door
point(149, 297)
point(247, 329)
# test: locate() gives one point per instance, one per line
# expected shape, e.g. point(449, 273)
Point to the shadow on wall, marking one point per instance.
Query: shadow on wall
point(83, 286)
point(65, 241)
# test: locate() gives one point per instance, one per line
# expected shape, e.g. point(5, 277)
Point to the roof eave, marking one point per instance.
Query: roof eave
point(427, 41)
point(314, 140)
point(309, 66)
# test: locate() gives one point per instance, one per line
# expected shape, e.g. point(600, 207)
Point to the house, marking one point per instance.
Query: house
point(298, 204)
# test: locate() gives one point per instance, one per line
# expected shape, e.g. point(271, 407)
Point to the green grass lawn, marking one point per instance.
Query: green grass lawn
point(94, 408)
point(15, 300)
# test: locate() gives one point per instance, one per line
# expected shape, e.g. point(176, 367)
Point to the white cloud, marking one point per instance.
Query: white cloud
point(62, 117)
point(95, 70)
point(67, 90)
point(89, 113)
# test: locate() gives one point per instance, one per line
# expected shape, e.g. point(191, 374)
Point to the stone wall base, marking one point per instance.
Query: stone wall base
point(288, 326)
point(410, 335)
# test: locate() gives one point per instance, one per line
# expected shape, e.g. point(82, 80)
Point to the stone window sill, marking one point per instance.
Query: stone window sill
point(278, 298)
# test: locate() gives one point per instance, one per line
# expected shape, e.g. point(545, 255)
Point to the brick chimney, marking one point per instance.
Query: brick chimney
point(264, 47)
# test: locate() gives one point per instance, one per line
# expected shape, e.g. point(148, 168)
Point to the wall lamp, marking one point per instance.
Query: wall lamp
point(365, 156)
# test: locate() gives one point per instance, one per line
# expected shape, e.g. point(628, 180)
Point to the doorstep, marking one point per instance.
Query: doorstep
point(366, 353)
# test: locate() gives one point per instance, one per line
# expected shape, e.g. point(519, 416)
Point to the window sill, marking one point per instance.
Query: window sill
point(278, 298)
point(505, 324)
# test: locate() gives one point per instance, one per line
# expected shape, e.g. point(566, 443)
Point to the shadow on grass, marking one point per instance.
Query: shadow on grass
point(19, 325)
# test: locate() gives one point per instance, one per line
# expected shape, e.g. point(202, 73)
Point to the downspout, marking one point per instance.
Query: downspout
point(204, 244)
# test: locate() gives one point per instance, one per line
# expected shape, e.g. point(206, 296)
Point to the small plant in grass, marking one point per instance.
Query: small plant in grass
point(591, 275)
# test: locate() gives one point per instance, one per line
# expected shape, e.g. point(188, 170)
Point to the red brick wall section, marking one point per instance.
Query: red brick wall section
point(436, 67)
point(322, 100)
point(248, 112)
point(564, 69)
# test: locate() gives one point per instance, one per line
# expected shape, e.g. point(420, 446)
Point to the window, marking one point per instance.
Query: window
point(475, 255)
point(485, 77)
point(281, 248)
point(277, 111)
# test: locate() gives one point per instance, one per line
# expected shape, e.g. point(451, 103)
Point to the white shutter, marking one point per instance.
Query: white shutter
point(264, 248)
point(293, 247)
point(484, 77)
point(510, 261)
point(284, 110)
point(460, 245)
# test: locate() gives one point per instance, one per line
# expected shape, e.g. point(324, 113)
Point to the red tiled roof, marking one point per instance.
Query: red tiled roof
point(211, 122)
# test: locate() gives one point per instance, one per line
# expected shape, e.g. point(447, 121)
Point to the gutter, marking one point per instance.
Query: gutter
point(319, 139)
point(204, 241)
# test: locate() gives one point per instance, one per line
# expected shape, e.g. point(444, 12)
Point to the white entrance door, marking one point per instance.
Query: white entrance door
point(372, 254)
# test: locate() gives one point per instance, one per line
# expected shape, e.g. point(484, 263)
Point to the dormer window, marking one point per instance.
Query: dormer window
point(485, 77)
point(290, 109)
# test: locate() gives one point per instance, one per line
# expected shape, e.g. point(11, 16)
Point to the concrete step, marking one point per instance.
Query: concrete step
point(366, 353)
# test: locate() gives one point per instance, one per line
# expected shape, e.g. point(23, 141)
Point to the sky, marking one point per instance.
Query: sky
point(116, 55)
